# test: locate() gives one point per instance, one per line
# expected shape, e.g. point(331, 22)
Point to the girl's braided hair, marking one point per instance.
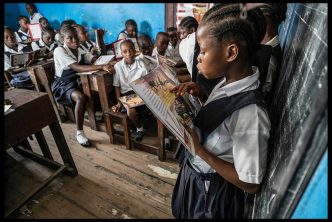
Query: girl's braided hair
point(189, 22)
point(226, 25)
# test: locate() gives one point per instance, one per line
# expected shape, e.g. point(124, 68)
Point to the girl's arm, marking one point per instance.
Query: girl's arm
point(222, 167)
point(87, 68)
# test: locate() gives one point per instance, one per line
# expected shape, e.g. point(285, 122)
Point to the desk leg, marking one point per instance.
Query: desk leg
point(103, 90)
point(62, 145)
point(43, 145)
point(89, 101)
point(161, 140)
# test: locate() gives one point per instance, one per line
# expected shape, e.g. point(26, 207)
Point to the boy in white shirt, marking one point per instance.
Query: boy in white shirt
point(127, 70)
point(173, 47)
point(162, 41)
point(145, 47)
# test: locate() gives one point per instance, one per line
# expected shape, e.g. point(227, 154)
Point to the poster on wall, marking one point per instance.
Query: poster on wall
point(197, 10)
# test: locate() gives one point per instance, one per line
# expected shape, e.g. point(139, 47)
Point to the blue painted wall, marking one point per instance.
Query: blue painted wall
point(313, 203)
point(149, 17)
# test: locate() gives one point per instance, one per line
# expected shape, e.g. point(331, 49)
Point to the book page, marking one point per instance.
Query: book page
point(103, 60)
point(173, 111)
point(7, 107)
point(131, 101)
point(35, 31)
point(163, 60)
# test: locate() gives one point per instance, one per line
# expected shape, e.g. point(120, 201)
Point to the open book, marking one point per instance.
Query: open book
point(24, 58)
point(167, 64)
point(131, 101)
point(35, 31)
point(173, 111)
point(102, 60)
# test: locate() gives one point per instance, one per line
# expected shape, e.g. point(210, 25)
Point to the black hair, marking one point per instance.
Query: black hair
point(144, 37)
point(22, 17)
point(225, 25)
point(33, 6)
point(65, 29)
point(162, 33)
point(43, 18)
point(127, 41)
point(276, 11)
point(68, 22)
point(47, 30)
point(130, 22)
point(8, 29)
point(188, 23)
point(171, 29)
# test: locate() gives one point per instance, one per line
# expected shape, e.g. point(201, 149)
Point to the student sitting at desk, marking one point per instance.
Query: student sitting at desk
point(130, 31)
point(22, 35)
point(145, 47)
point(21, 80)
point(127, 70)
point(45, 24)
point(46, 40)
point(69, 59)
point(85, 43)
point(173, 47)
point(162, 41)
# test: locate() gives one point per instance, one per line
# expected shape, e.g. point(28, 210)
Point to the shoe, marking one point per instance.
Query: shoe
point(82, 140)
point(139, 136)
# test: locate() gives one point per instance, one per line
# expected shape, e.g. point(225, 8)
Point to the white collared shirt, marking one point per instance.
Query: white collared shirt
point(155, 53)
point(36, 47)
point(125, 74)
point(12, 51)
point(123, 35)
point(149, 64)
point(63, 57)
point(274, 41)
point(174, 51)
point(186, 50)
point(35, 18)
point(24, 37)
point(242, 138)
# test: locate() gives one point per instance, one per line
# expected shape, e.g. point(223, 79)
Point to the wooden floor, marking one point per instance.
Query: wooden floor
point(112, 183)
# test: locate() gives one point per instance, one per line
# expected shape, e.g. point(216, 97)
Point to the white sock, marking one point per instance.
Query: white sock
point(139, 129)
point(81, 138)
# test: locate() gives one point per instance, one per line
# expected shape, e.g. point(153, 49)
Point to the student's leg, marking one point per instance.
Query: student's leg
point(79, 98)
point(132, 114)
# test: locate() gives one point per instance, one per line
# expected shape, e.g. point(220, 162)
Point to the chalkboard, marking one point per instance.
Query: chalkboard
point(298, 114)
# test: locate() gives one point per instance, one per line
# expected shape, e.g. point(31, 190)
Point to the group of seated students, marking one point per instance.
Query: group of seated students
point(232, 65)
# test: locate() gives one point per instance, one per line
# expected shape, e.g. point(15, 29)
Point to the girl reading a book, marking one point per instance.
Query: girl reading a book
point(231, 131)
point(130, 31)
point(85, 43)
point(69, 59)
point(47, 40)
point(22, 35)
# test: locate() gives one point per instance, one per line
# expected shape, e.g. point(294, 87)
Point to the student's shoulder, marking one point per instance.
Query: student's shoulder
point(59, 51)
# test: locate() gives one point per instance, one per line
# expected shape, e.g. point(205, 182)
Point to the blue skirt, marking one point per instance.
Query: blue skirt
point(191, 201)
point(63, 88)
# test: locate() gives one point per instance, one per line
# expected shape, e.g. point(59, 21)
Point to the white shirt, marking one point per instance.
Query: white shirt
point(174, 51)
point(242, 138)
point(35, 18)
point(24, 36)
point(89, 44)
point(155, 53)
point(186, 50)
point(123, 35)
point(125, 74)
point(63, 57)
point(12, 51)
point(274, 41)
point(149, 63)
point(36, 47)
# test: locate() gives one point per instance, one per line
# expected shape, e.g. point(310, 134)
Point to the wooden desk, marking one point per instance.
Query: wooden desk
point(101, 82)
point(32, 112)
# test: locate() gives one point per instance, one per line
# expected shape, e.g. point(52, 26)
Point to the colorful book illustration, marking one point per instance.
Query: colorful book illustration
point(131, 101)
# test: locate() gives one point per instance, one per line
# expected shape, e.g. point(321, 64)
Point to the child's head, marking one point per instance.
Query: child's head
point(48, 35)
point(128, 51)
point(82, 34)
point(131, 28)
point(145, 44)
point(187, 26)
point(69, 36)
point(9, 37)
point(23, 21)
point(44, 22)
point(31, 8)
point(224, 39)
point(173, 35)
point(162, 41)
point(67, 22)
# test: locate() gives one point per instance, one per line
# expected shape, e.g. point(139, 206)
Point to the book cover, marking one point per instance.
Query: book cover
point(131, 101)
point(173, 111)
point(35, 31)
point(20, 59)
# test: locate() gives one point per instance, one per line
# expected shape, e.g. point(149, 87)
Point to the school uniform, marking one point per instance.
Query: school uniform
point(35, 17)
point(186, 50)
point(66, 80)
point(234, 126)
point(21, 48)
point(122, 35)
point(148, 62)
point(155, 53)
point(174, 51)
point(40, 44)
point(87, 46)
point(125, 74)
point(21, 36)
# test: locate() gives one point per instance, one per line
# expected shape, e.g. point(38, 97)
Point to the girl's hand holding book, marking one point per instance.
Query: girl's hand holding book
point(189, 87)
point(109, 68)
